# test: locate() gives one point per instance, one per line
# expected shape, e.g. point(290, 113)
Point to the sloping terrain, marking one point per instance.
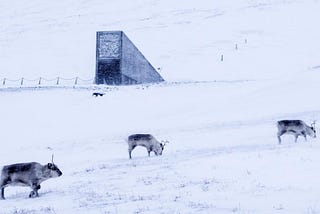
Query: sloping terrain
point(219, 116)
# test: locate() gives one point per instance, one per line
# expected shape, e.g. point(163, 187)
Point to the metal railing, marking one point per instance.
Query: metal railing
point(41, 81)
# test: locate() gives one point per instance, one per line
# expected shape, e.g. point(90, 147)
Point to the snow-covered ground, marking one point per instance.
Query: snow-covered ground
point(219, 117)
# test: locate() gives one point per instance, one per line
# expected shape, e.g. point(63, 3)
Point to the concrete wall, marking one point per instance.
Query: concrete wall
point(135, 65)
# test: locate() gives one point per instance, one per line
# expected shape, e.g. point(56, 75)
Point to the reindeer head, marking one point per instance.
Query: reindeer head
point(313, 128)
point(53, 169)
point(162, 144)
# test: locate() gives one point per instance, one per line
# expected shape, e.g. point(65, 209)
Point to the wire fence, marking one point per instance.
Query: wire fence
point(41, 81)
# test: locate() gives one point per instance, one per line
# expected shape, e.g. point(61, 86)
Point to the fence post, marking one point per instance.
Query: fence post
point(22, 81)
point(4, 81)
point(40, 81)
point(76, 81)
point(58, 80)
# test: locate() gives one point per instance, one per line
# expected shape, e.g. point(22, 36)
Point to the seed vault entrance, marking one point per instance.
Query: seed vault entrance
point(108, 72)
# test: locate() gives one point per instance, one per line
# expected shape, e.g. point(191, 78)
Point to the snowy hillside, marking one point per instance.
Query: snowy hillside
point(219, 116)
point(57, 38)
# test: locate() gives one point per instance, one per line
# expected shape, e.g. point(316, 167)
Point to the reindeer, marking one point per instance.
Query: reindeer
point(147, 141)
point(296, 128)
point(27, 174)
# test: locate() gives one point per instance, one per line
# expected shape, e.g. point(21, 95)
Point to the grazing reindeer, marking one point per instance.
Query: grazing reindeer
point(296, 128)
point(27, 174)
point(146, 140)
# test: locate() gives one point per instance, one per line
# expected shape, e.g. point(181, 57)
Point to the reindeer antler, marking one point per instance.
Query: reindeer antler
point(165, 142)
point(52, 158)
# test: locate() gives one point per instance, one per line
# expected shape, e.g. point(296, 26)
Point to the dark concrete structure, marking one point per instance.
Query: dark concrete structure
point(119, 62)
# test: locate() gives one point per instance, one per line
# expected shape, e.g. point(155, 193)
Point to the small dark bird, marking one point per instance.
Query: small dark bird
point(96, 94)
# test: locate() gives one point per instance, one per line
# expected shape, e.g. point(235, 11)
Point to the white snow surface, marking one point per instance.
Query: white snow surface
point(219, 116)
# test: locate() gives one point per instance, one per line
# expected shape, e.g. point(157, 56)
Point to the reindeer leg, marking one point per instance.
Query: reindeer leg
point(279, 139)
point(35, 187)
point(304, 135)
point(2, 193)
point(3, 184)
point(296, 138)
point(32, 194)
point(279, 135)
point(150, 149)
point(130, 155)
point(130, 150)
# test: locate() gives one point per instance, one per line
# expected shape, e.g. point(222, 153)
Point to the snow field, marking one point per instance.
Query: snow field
point(219, 117)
